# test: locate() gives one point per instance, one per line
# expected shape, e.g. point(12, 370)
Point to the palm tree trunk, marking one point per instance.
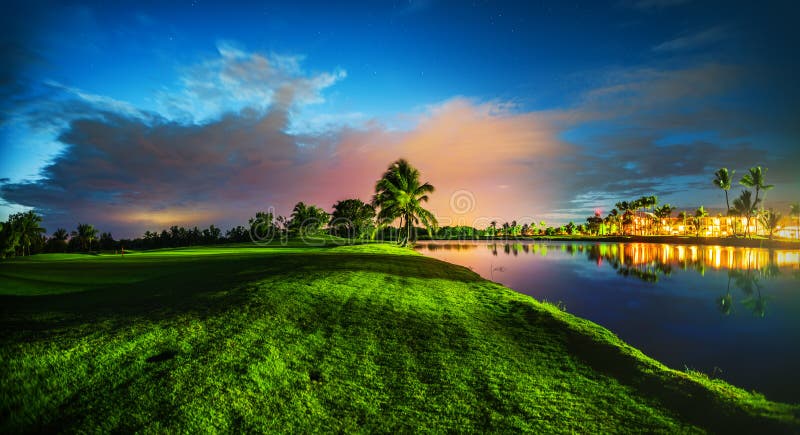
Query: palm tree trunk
point(755, 204)
point(727, 204)
point(408, 229)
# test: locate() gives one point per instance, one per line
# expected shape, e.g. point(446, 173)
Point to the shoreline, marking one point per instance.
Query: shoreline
point(677, 240)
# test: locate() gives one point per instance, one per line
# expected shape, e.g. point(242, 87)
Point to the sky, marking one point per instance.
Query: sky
point(137, 116)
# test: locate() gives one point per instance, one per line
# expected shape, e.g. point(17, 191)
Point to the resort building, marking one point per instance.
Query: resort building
point(644, 223)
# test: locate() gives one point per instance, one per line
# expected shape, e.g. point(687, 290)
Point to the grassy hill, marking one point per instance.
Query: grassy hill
point(372, 338)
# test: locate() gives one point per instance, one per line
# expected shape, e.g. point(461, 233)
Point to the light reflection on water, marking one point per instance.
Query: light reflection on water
point(731, 312)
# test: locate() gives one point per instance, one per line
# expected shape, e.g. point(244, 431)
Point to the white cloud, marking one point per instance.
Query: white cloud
point(693, 41)
point(239, 80)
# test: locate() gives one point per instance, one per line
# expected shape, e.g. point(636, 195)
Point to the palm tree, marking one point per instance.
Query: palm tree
point(662, 212)
point(625, 208)
point(699, 214)
point(61, 235)
point(85, 233)
point(723, 179)
point(744, 206)
point(794, 211)
point(399, 195)
point(27, 226)
point(307, 219)
point(769, 220)
point(754, 179)
point(682, 217)
point(614, 218)
point(58, 241)
point(493, 224)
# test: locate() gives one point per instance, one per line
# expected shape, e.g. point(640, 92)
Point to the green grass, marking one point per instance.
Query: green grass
point(367, 338)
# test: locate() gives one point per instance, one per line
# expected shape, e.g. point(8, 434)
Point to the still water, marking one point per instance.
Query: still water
point(730, 312)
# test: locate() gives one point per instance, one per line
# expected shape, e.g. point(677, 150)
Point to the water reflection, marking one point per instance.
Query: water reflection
point(747, 268)
point(646, 254)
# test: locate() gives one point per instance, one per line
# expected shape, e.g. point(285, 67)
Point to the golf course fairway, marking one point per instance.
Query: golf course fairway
point(297, 338)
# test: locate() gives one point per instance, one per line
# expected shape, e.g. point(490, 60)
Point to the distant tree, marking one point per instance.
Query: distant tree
point(614, 219)
point(58, 241)
point(569, 228)
point(238, 234)
point(682, 216)
point(27, 229)
point(506, 227)
point(493, 228)
point(352, 218)
point(107, 242)
point(652, 202)
point(699, 214)
point(85, 233)
point(770, 220)
point(794, 211)
point(755, 179)
point(662, 213)
point(723, 180)
point(9, 240)
point(399, 194)
point(211, 235)
point(262, 226)
point(744, 206)
point(624, 207)
point(593, 223)
point(307, 220)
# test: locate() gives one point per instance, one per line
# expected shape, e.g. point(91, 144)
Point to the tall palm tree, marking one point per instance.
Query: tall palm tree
point(745, 206)
point(85, 233)
point(754, 179)
point(794, 211)
point(493, 224)
point(723, 179)
point(399, 194)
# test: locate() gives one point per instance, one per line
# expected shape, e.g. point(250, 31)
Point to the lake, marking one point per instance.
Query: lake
point(730, 312)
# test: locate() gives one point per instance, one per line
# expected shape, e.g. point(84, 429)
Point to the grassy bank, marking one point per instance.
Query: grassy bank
point(295, 338)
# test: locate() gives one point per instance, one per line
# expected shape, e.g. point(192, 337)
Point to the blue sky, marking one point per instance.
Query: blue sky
point(597, 102)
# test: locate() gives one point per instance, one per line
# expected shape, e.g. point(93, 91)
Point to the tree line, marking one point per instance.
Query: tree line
point(399, 195)
point(396, 213)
